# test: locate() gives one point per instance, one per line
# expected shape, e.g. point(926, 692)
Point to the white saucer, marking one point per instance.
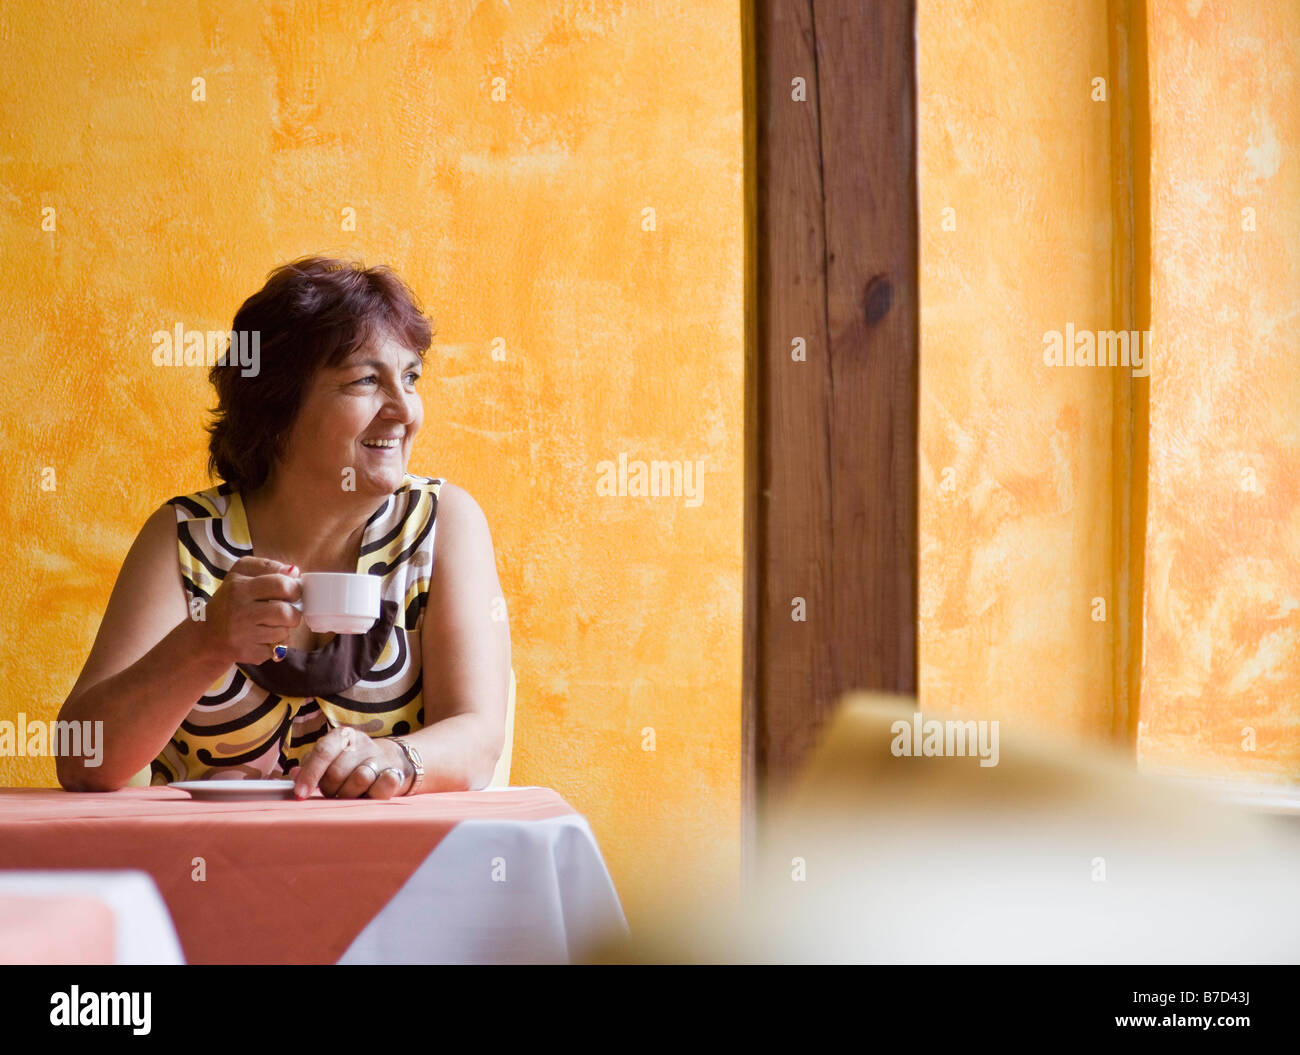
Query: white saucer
point(235, 790)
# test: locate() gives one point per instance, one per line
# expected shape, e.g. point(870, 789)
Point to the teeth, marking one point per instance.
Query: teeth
point(381, 443)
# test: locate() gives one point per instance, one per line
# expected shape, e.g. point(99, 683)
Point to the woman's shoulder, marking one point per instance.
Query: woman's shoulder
point(212, 503)
point(439, 487)
point(460, 515)
point(452, 506)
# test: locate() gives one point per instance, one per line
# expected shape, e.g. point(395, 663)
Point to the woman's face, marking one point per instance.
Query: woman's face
point(358, 421)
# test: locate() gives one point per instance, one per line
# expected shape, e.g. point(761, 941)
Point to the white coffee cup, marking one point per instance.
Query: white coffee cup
point(339, 602)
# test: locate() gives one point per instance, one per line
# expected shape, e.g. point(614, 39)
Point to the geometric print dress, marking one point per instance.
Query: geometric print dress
point(259, 721)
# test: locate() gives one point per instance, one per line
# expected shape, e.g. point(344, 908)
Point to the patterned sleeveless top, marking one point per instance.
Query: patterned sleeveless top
point(260, 721)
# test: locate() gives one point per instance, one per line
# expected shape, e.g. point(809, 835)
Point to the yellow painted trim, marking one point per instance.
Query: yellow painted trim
point(1130, 309)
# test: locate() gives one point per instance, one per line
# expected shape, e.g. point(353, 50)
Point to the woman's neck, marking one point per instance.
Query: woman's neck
point(298, 525)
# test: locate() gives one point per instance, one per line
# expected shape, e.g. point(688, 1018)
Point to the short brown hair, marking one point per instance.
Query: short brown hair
point(311, 313)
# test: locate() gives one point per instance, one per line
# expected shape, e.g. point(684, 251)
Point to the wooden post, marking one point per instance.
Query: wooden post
point(832, 536)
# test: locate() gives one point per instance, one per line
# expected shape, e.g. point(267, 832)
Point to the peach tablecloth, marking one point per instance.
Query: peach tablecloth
point(54, 928)
point(253, 882)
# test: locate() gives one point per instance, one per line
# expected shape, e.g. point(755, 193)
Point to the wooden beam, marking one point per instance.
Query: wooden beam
point(835, 436)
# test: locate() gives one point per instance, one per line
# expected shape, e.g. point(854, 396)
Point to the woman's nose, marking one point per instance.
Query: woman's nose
point(398, 407)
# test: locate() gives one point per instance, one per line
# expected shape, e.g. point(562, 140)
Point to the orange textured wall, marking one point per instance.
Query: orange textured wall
point(517, 208)
point(1017, 472)
point(1033, 216)
point(1222, 660)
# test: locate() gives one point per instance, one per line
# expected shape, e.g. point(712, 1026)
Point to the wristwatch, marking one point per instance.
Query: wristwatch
point(413, 756)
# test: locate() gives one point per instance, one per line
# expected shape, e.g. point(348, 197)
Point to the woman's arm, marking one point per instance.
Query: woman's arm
point(151, 661)
point(147, 666)
point(465, 675)
point(465, 643)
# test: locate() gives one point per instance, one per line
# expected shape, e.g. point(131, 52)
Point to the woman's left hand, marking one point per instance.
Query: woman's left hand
point(347, 764)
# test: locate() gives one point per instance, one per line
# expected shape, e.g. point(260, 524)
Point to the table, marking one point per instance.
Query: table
point(50, 929)
point(510, 875)
point(84, 918)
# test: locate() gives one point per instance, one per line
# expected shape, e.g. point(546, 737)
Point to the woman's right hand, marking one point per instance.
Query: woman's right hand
point(251, 611)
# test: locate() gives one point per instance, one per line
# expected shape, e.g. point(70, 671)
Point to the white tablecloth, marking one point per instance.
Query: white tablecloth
point(499, 892)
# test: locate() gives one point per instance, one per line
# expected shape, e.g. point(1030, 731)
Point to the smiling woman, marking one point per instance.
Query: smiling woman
point(203, 667)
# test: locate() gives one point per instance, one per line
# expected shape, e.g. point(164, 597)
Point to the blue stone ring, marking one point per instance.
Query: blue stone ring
point(278, 652)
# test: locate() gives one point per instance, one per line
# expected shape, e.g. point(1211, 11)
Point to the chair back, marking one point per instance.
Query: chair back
point(501, 777)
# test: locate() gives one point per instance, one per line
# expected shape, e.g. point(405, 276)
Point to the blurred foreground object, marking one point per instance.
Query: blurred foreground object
point(1058, 853)
point(85, 916)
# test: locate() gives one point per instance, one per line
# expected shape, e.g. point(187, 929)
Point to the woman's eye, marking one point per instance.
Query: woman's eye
point(411, 378)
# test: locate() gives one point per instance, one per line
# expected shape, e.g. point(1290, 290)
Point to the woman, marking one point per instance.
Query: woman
point(202, 666)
